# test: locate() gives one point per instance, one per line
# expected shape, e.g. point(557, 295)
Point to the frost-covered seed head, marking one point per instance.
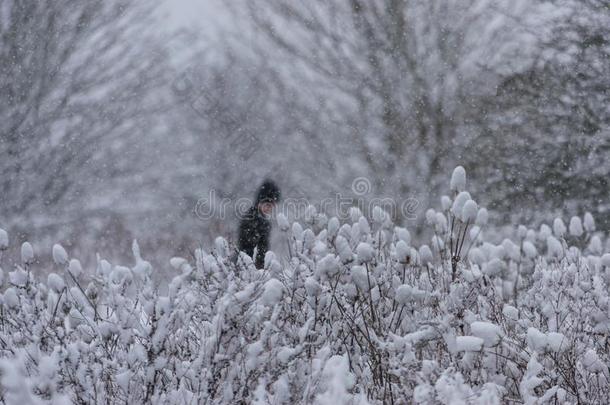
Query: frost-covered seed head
point(365, 252)
point(92, 291)
point(312, 287)
point(379, 215)
point(414, 256)
point(468, 344)
point(222, 246)
point(521, 232)
point(576, 227)
point(178, 262)
point(273, 291)
point(559, 228)
point(403, 234)
point(437, 243)
point(75, 268)
point(343, 249)
point(403, 294)
point(446, 203)
point(359, 277)
point(555, 249)
point(489, 332)
point(321, 220)
point(104, 268)
point(297, 231)
point(494, 267)
point(10, 298)
point(530, 250)
point(536, 340)
point(512, 250)
point(592, 362)
point(308, 238)
point(458, 204)
point(364, 226)
point(589, 222)
point(595, 245)
point(310, 215)
point(482, 217)
point(60, 257)
point(425, 254)
point(282, 222)
point(476, 256)
point(55, 282)
point(441, 222)
point(333, 227)
point(545, 232)
point(430, 216)
point(355, 214)
point(458, 179)
point(19, 277)
point(469, 211)
point(27, 253)
point(402, 251)
point(328, 266)
point(474, 232)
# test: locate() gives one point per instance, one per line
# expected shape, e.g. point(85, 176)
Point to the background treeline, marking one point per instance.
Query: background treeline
point(112, 128)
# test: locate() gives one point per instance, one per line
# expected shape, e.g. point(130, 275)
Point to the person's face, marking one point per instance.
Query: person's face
point(266, 208)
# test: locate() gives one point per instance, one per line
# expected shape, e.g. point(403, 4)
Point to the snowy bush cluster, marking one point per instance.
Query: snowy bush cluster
point(356, 315)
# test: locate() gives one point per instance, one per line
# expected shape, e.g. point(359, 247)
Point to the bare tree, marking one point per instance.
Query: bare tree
point(78, 91)
point(401, 77)
point(548, 129)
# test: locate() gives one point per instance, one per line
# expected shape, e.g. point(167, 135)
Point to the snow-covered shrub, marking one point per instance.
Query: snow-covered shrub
point(356, 315)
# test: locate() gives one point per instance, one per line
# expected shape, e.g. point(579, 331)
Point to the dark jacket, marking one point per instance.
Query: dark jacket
point(254, 231)
point(254, 228)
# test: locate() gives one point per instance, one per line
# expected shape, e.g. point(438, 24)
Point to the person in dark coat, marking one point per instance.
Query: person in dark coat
point(255, 226)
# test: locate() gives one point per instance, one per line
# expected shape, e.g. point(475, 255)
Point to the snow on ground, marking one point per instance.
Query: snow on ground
point(356, 315)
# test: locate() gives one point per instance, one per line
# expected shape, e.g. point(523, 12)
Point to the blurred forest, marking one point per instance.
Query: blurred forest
point(113, 129)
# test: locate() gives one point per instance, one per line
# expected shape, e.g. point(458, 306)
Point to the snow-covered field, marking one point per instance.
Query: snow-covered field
point(357, 315)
